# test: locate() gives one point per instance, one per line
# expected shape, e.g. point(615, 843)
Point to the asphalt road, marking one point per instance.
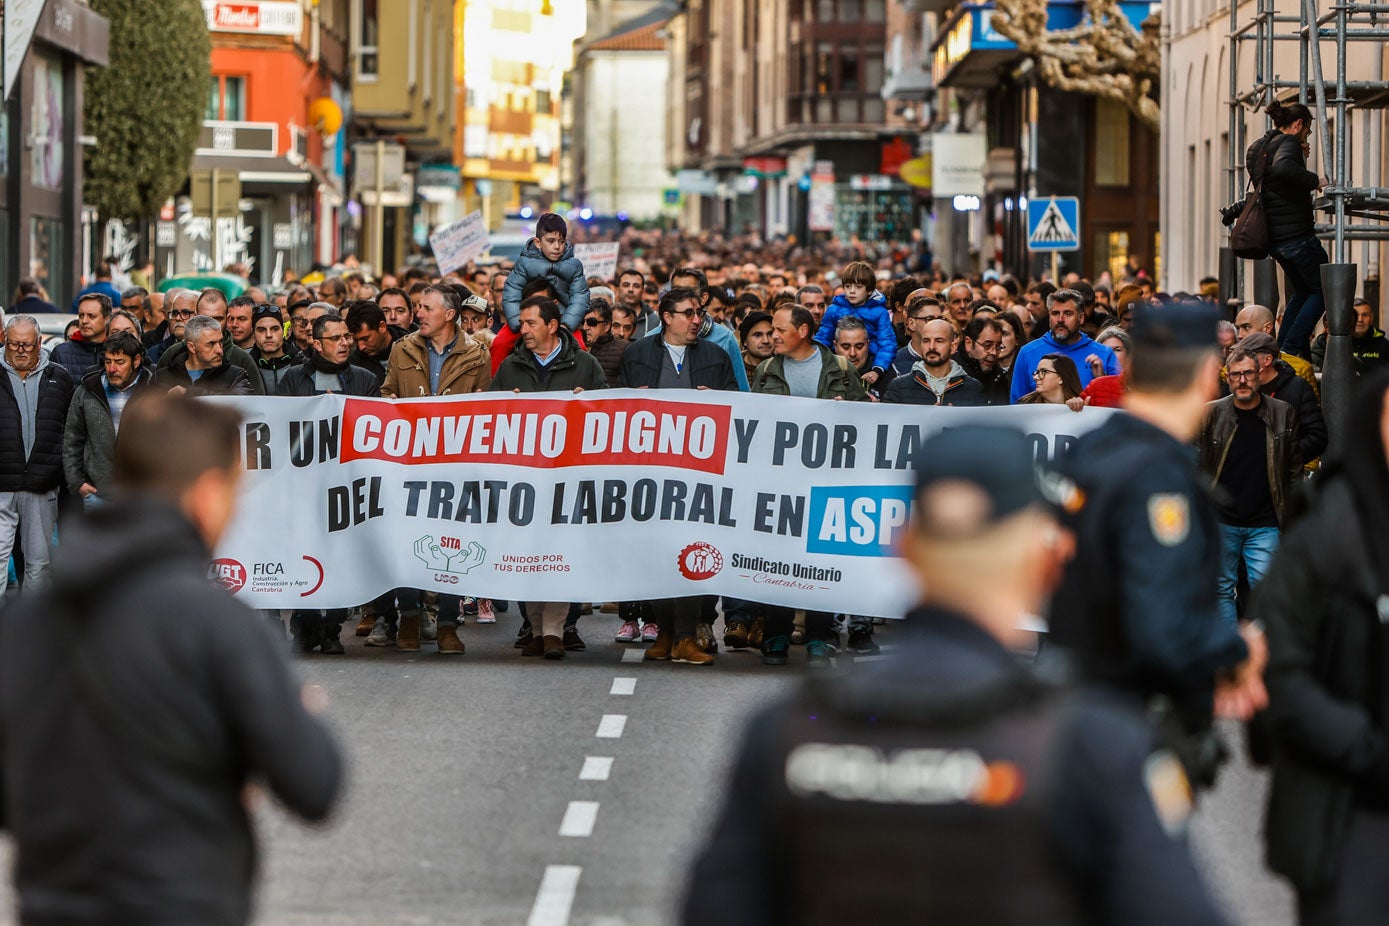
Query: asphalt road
point(491, 789)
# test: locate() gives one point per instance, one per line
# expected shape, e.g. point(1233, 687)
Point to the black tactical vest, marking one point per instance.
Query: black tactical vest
point(895, 812)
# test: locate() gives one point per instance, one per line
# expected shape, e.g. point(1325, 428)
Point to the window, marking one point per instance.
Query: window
point(1111, 143)
point(1111, 251)
point(49, 124)
point(370, 38)
point(542, 101)
point(475, 141)
point(226, 99)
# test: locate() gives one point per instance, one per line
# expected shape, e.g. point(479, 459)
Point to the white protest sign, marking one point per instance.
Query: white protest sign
point(617, 495)
point(600, 258)
point(457, 244)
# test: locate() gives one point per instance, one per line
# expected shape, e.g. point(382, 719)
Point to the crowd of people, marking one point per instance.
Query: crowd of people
point(856, 332)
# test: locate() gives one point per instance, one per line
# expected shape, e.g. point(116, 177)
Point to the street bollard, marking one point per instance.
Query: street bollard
point(1338, 372)
point(1266, 284)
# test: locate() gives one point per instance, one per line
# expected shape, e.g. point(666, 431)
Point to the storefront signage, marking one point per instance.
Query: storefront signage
point(766, 168)
point(957, 164)
point(870, 182)
point(918, 172)
point(263, 17)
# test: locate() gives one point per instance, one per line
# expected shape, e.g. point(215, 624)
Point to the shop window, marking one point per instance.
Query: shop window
point(226, 99)
point(48, 121)
point(1111, 249)
point(1111, 143)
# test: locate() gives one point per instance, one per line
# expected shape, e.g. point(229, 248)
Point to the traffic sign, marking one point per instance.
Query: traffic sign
point(1053, 224)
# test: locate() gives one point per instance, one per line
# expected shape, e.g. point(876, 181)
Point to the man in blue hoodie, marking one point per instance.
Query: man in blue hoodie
point(1065, 312)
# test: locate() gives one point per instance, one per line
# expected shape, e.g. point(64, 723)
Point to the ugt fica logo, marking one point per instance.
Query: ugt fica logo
point(227, 573)
point(700, 561)
point(448, 554)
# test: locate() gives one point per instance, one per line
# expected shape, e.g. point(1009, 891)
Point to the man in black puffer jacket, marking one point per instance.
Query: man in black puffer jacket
point(1278, 381)
point(34, 398)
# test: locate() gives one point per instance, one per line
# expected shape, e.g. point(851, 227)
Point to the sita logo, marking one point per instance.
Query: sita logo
point(227, 573)
point(700, 561)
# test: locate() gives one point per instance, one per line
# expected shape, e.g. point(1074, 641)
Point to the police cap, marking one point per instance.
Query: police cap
point(1176, 325)
point(998, 461)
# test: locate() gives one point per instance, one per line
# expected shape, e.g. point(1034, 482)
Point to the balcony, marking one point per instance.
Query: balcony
point(829, 109)
point(221, 138)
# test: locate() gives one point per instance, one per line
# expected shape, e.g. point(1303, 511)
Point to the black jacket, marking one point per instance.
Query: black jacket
point(1084, 844)
point(177, 354)
point(1294, 390)
point(43, 470)
point(573, 368)
point(709, 364)
point(1288, 186)
point(912, 389)
point(299, 380)
point(179, 696)
point(78, 357)
point(224, 380)
point(996, 384)
point(375, 365)
point(1318, 604)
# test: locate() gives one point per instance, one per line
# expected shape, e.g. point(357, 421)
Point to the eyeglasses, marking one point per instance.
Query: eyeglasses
point(19, 348)
point(1242, 374)
point(181, 313)
point(592, 322)
point(1041, 373)
point(691, 313)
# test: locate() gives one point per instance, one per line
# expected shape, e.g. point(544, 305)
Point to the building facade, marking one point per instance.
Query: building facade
point(41, 138)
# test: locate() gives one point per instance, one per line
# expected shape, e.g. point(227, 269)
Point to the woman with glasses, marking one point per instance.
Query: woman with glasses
point(1055, 382)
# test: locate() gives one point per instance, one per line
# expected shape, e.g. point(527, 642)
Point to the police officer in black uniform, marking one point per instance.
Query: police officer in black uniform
point(1137, 609)
point(951, 784)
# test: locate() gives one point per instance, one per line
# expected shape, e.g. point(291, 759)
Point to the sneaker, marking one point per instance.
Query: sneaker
point(485, 614)
point(659, 650)
point(704, 636)
point(776, 650)
point(332, 642)
point(499, 606)
point(817, 654)
point(861, 642)
point(469, 607)
point(691, 653)
point(524, 639)
point(628, 633)
point(382, 633)
point(757, 633)
point(649, 633)
point(735, 636)
point(572, 641)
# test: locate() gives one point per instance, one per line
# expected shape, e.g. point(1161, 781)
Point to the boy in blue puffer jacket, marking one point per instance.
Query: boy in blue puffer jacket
point(861, 299)
point(548, 255)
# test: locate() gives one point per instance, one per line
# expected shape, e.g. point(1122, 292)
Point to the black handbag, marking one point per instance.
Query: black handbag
point(1249, 236)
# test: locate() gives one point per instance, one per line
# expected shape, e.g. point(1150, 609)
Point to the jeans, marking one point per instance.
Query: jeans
point(1256, 546)
point(28, 518)
point(1301, 260)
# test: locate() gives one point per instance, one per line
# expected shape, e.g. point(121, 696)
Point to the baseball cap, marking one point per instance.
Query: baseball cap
point(998, 461)
point(475, 303)
point(1175, 325)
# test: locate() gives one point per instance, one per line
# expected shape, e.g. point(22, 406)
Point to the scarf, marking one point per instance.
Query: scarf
point(323, 366)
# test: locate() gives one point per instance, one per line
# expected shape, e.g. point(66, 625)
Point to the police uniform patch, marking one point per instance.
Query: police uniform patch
point(1169, 516)
point(1170, 791)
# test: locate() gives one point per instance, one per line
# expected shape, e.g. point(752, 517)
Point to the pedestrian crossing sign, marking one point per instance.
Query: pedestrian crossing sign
point(1053, 224)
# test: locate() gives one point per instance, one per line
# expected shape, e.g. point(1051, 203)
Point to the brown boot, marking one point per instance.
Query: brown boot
point(535, 646)
point(407, 636)
point(689, 651)
point(661, 648)
point(449, 642)
point(554, 647)
point(367, 622)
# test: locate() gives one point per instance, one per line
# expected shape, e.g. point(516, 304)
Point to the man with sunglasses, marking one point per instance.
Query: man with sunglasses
point(678, 358)
point(605, 346)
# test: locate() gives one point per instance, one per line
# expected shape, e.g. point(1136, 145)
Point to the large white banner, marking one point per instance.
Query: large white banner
point(603, 496)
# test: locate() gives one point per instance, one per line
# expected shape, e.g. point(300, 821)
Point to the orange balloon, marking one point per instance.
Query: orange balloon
point(325, 116)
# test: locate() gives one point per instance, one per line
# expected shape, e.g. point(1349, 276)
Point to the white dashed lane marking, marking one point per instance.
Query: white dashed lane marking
point(556, 896)
point(579, 818)
point(596, 768)
point(633, 654)
point(611, 726)
point(624, 686)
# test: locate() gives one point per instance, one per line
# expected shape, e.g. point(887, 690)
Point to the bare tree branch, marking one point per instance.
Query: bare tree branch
point(1105, 56)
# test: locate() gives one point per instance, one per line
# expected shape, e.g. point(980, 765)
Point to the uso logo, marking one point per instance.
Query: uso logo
point(227, 573)
point(700, 561)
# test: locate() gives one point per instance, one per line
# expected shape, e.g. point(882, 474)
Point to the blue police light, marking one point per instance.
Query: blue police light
point(622, 216)
point(527, 212)
point(585, 214)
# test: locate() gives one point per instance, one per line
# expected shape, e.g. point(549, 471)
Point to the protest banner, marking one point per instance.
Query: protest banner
point(457, 244)
point(604, 496)
point(599, 258)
